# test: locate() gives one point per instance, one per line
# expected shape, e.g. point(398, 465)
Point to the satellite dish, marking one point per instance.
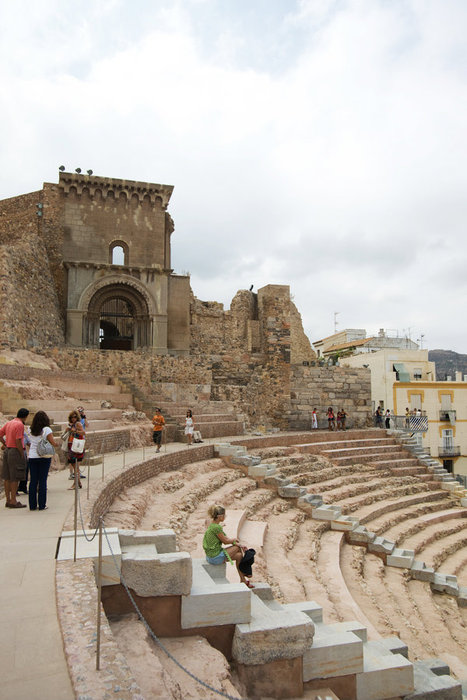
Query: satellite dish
point(89, 172)
point(77, 170)
point(62, 168)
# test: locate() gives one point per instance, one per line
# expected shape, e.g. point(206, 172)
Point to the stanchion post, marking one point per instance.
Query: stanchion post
point(103, 455)
point(89, 478)
point(76, 468)
point(99, 600)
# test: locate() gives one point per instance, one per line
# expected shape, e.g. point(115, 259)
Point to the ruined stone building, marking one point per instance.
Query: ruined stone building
point(86, 276)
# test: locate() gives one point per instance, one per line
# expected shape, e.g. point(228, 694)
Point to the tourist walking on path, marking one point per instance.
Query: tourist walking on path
point(378, 418)
point(14, 460)
point(331, 419)
point(75, 430)
point(159, 425)
point(189, 426)
point(39, 465)
point(215, 537)
point(314, 420)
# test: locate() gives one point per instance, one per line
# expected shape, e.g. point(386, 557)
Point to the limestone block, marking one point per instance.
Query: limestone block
point(436, 666)
point(350, 626)
point(344, 523)
point(326, 512)
point(210, 605)
point(111, 565)
point(444, 583)
point(308, 502)
point(381, 545)
point(263, 591)
point(271, 634)
point(246, 460)
point(401, 558)
point(450, 485)
point(261, 470)
point(165, 540)
point(151, 574)
point(276, 481)
point(464, 502)
point(216, 571)
point(225, 449)
point(360, 535)
point(291, 491)
point(332, 654)
point(421, 572)
point(462, 597)
point(384, 675)
point(309, 607)
point(429, 686)
point(395, 646)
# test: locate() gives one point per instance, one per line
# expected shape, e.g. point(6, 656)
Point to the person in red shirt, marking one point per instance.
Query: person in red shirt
point(14, 460)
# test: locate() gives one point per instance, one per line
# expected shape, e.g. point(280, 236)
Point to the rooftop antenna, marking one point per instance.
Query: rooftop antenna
point(335, 321)
point(420, 340)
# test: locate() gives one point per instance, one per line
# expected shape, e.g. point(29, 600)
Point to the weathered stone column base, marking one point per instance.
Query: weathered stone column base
point(277, 679)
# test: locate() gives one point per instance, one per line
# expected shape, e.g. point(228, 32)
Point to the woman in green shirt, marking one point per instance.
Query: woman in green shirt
point(215, 537)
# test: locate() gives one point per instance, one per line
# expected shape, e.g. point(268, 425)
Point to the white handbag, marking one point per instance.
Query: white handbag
point(78, 445)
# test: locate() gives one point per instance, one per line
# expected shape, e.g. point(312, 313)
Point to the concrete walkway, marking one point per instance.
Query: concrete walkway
point(32, 661)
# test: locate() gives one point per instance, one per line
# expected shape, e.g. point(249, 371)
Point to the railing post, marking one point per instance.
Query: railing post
point(99, 599)
point(75, 518)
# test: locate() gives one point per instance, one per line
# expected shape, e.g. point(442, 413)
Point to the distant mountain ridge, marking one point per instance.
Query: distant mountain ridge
point(448, 363)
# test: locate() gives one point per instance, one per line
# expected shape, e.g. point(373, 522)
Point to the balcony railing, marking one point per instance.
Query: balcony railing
point(412, 424)
point(450, 451)
point(449, 416)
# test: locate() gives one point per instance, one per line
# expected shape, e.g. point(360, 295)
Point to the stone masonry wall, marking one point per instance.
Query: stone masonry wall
point(321, 387)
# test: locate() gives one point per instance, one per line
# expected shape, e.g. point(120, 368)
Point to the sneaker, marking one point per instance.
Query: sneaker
point(82, 476)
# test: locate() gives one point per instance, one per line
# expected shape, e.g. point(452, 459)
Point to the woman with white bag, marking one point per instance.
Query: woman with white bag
point(75, 444)
point(42, 447)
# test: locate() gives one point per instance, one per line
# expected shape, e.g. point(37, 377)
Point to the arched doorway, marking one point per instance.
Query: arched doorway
point(118, 319)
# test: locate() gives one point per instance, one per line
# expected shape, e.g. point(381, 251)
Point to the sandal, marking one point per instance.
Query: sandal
point(250, 585)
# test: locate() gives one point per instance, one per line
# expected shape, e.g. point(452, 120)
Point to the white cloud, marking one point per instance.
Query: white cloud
point(316, 144)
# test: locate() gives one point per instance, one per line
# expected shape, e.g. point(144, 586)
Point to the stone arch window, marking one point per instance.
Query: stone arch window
point(119, 253)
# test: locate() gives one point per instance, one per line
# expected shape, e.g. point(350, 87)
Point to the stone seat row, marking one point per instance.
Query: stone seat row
point(266, 633)
point(356, 533)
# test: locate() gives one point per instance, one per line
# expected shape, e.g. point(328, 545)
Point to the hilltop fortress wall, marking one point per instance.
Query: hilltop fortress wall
point(64, 294)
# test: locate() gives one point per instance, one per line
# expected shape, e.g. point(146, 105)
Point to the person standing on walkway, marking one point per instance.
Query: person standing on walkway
point(39, 466)
point(75, 430)
point(314, 420)
point(378, 418)
point(331, 418)
point(387, 419)
point(189, 426)
point(158, 423)
point(14, 460)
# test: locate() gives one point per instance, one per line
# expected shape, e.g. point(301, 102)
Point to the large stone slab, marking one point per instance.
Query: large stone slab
point(381, 545)
point(165, 539)
point(384, 675)
point(271, 634)
point(213, 600)
point(462, 597)
point(401, 558)
point(445, 583)
point(421, 572)
point(149, 573)
point(309, 607)
point(246, 460)
point(430, 686)
point(332, 654)
point(345, 523)
point(360, 536)
point(326, 512)
point(291, 491)
point(111, 552)
point(261, 471)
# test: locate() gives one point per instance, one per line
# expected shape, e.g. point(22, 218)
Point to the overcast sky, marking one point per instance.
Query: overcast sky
point(316, 143)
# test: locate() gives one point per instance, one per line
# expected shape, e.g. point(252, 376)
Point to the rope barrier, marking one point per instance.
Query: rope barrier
point(140, 614)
